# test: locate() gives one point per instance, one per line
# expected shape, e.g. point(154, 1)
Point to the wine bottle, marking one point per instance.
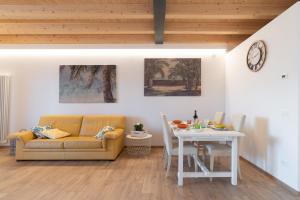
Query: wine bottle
point(195, 116)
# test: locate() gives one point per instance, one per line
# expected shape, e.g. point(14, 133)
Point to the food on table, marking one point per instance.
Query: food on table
point(177, 121)
point(197, 126)
point(219, 126)
point(182, 125)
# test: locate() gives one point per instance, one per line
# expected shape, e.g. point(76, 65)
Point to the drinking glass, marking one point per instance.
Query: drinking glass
point(205, 123)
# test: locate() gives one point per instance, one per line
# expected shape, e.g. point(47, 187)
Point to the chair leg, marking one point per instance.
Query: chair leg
point(239, 170)
point(165, 157)
point(203, 155)
point(169, 165)
point(195, 162)
point(189, 160)
point(211, 164)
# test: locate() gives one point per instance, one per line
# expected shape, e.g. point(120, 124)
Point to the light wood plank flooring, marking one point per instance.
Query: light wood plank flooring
point(126, 178)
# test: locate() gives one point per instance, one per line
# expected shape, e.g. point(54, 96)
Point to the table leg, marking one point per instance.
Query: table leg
point(234, 160)
point(180, 161)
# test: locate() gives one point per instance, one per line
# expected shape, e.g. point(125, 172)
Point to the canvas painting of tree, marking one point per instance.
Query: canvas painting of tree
point(87, 84)
point(172, 77)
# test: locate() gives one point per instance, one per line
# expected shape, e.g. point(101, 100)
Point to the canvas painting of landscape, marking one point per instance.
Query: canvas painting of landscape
point(87, 84)
point(172, 77)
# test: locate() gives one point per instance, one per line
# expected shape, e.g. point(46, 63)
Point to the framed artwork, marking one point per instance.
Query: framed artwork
point(87, 83)
point(172, 77)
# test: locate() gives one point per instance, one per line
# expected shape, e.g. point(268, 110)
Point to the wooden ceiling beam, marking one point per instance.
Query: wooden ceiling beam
point(251, 21)
point(73, 21)
point(281, 2)
point(107, 11)
point(185, 38)
point(76, 28)
point(213, 28)
point(131, 21)
point(159, 12)
point(64, 2)
point(72, 2)
point(223, 11)
point(76, 39)
point(142, 11)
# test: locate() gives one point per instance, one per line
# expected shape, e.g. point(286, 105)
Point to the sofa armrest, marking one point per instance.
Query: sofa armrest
point(23, 136)
point(114, 142)
point(114, 134)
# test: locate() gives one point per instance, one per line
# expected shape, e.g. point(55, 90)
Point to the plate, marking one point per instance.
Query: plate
point(219, 129)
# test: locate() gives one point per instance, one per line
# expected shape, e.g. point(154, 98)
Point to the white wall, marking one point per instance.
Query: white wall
point(270, 103)
point(35, 85)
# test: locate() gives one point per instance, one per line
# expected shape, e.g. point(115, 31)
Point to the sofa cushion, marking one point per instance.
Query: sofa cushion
point(92, 124)
point(45, 144)
point(82, 143)
point(100, 134)
point(38, 131)
point(67, 123)
point(55, 133)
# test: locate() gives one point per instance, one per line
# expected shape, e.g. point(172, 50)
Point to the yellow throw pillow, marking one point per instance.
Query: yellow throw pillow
point(55, 133)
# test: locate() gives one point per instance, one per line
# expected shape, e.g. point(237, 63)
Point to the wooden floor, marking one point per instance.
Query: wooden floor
point(126, 178)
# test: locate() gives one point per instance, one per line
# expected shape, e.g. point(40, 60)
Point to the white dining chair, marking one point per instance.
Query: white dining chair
point(219, 118)
point(188, 149)
point(174, 141)
point(224, 150)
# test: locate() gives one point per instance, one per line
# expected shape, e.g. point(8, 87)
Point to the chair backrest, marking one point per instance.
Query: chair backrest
point(166, 133)
point(219, 118)
point(238, 121)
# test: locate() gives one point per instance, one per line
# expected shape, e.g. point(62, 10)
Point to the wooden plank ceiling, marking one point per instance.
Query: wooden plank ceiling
point(131, 21)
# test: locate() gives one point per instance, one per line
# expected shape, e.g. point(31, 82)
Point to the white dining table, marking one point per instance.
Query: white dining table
point(207, 134)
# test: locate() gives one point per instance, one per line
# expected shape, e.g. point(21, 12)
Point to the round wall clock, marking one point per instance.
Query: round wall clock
point(256, 56)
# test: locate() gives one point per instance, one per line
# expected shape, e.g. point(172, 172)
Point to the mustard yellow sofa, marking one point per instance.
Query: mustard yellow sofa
point(80, 145)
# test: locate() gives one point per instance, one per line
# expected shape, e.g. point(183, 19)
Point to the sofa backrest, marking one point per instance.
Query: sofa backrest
point(68, 123)
point(91, 124)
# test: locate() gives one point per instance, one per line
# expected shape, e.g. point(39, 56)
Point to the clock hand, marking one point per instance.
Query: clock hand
point(253, 56)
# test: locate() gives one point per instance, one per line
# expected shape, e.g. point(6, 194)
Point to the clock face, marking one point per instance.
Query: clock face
point(256, 56)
